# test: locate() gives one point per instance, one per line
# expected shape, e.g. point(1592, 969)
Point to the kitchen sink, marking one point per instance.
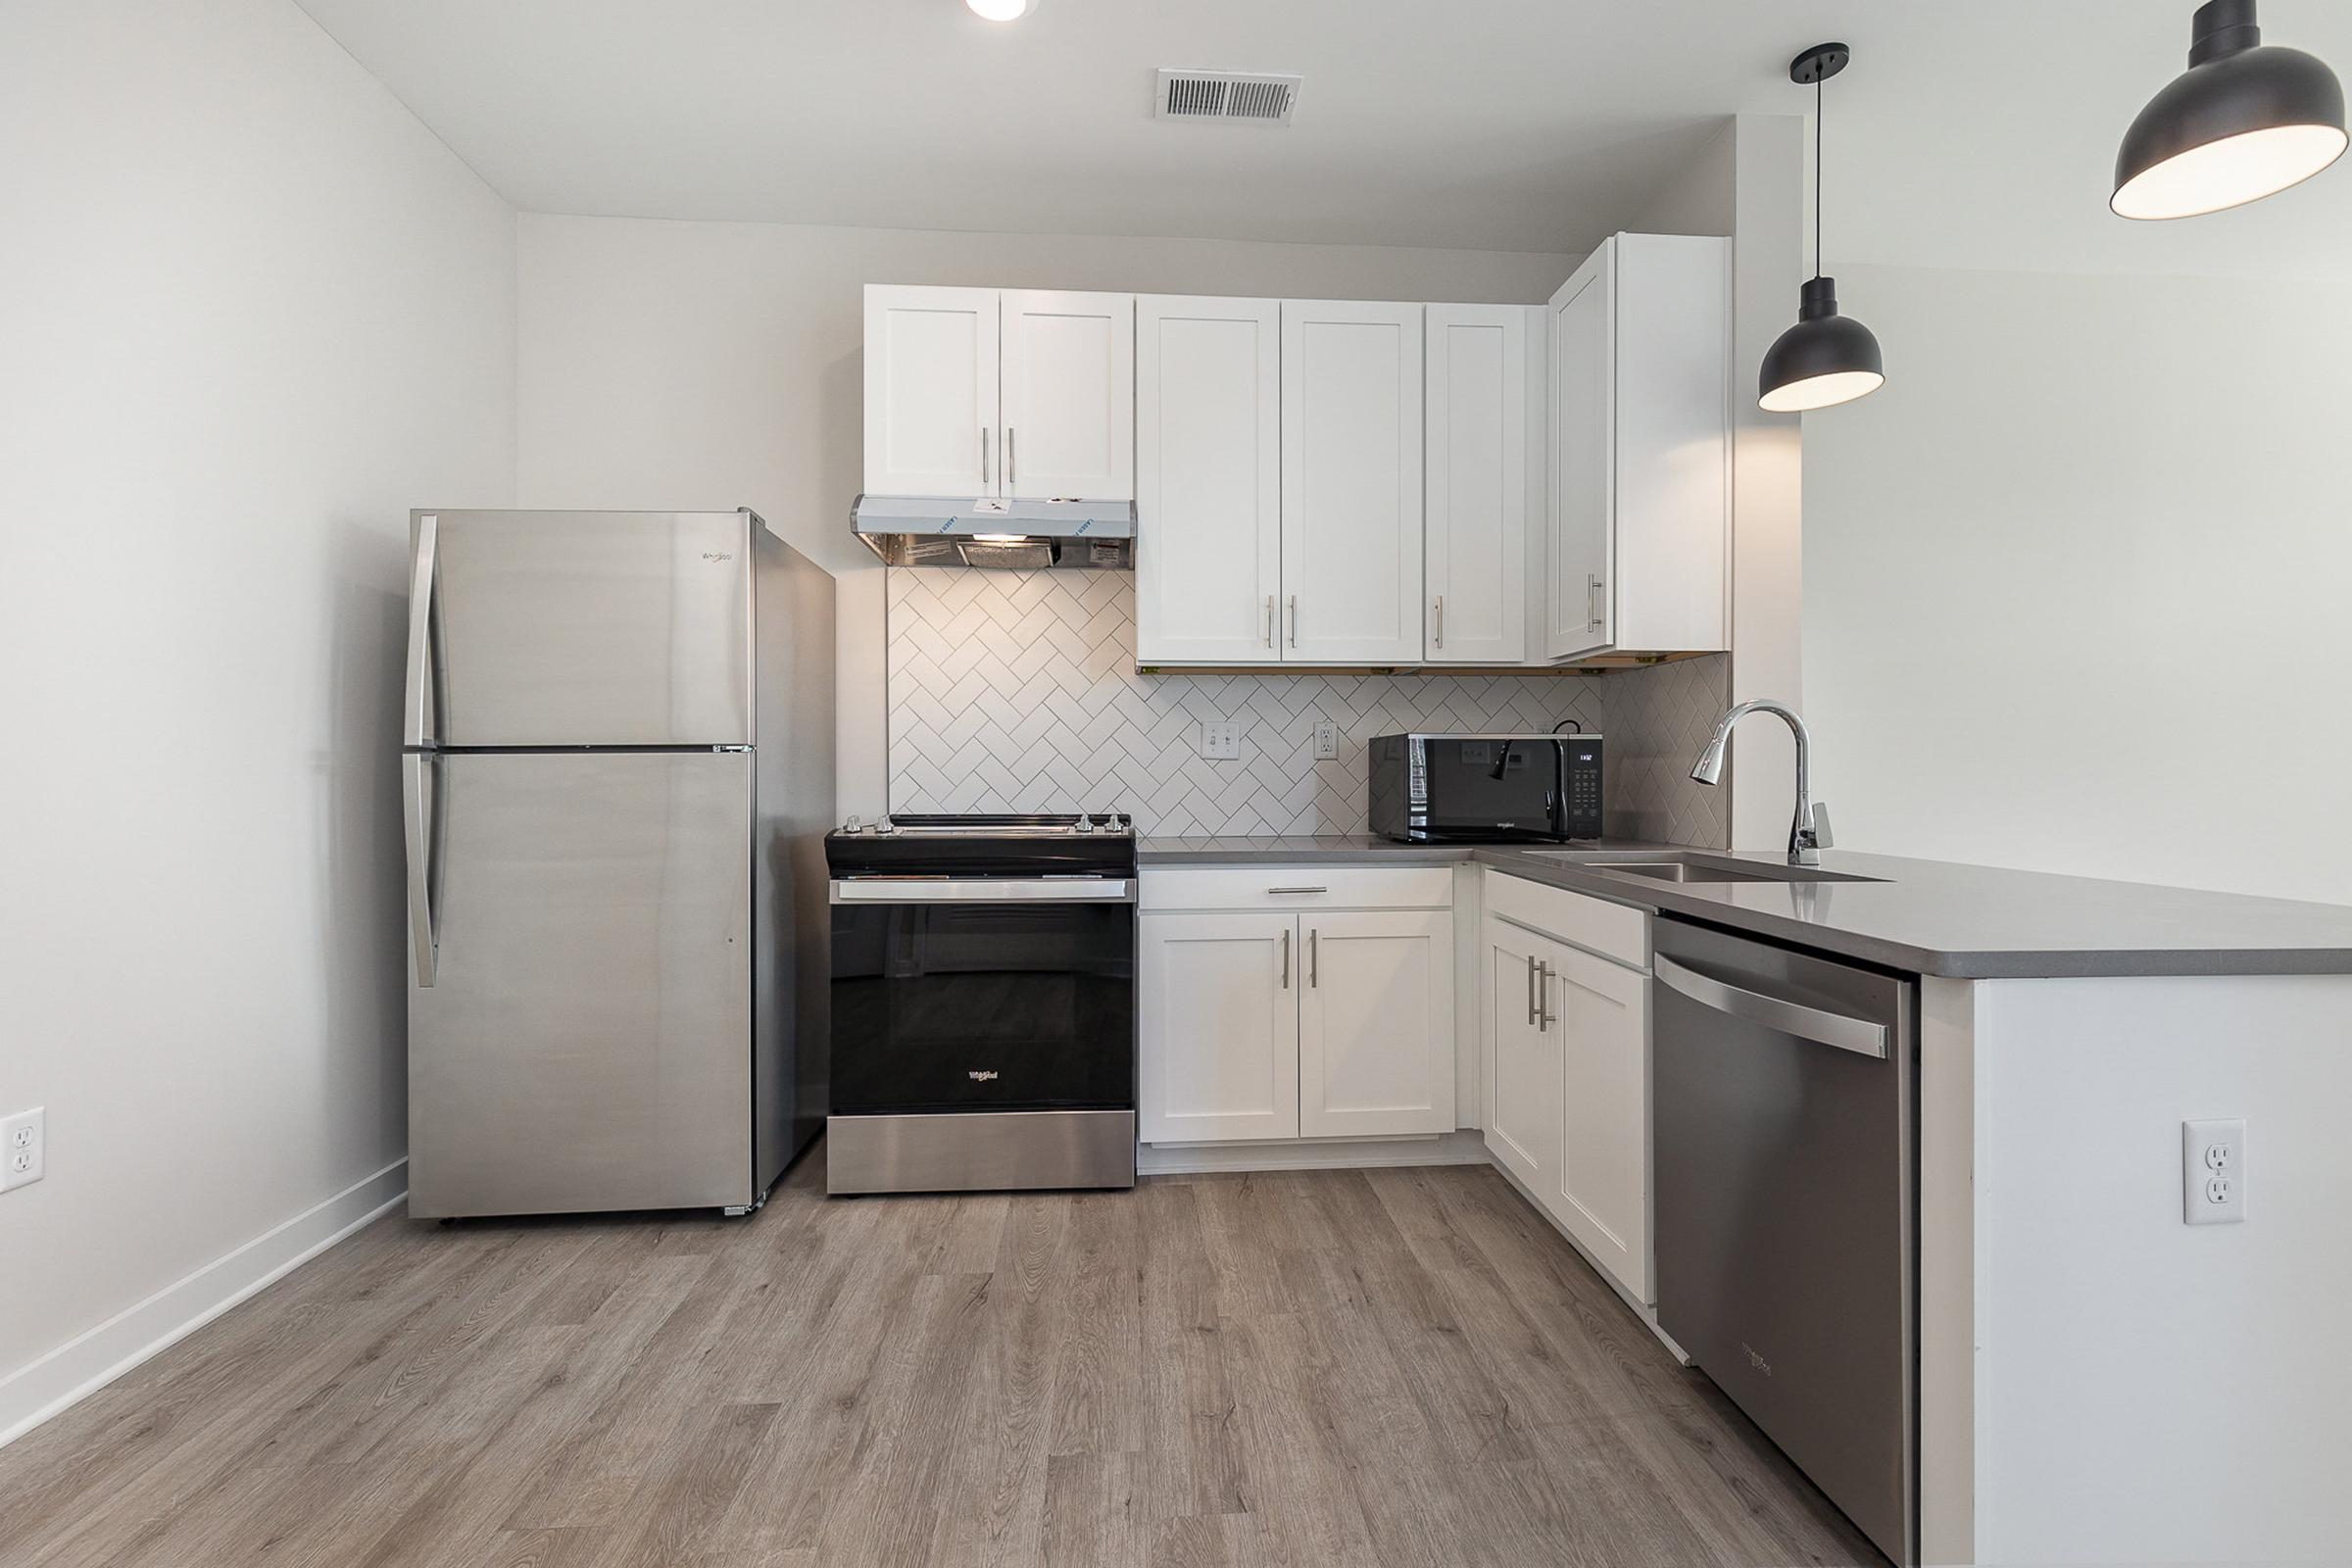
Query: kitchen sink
point(1689, 868)
point(1683, 872)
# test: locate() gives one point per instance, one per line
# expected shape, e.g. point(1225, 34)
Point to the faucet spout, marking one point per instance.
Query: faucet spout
point(1809, 831)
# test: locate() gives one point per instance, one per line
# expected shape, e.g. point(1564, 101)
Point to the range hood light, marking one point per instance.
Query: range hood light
point(1015, 534)
point(1001, 10)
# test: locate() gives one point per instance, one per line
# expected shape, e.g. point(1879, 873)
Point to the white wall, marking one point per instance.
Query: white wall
point(720, 365)
point(253, 311)
point(2076, 578)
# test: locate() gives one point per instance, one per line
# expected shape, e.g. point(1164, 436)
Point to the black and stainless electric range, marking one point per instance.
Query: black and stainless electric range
point(983, 1003)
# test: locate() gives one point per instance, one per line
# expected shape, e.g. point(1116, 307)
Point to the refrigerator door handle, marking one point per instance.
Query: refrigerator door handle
point(420, 631)
point(419, 814)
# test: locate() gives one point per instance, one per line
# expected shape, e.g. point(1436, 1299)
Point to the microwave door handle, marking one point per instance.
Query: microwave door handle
point(1862, 1036)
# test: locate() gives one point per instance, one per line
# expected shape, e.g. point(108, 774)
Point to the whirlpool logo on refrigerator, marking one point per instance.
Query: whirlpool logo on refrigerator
point(982, 1075)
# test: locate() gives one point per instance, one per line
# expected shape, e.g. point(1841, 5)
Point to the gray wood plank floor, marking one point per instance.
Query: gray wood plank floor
point(1401, 1367)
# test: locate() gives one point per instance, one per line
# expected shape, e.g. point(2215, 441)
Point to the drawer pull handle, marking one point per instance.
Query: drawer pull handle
point(1297, 890)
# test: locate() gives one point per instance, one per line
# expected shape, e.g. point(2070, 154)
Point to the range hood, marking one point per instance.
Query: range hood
point(990, 531)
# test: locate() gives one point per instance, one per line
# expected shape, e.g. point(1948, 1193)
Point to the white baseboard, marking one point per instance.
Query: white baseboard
point(1467, 1147)
point(88, 1362)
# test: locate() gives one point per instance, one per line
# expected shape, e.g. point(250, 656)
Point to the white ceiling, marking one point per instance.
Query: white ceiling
point(1978, 134)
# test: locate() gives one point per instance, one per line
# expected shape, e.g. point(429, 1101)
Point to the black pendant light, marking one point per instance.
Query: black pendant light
point(1824, 357)
point(2245, 121)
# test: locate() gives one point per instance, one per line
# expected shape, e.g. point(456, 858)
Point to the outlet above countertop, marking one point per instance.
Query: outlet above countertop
point(1934, 917)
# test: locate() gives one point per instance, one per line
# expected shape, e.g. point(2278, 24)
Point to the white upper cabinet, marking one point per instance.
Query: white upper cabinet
point(1583, 454)
point(931, 410)
point(1351, 534)
point(1068, 396)
point(1639, 509)
point(1475, 548)
point(1208, 481)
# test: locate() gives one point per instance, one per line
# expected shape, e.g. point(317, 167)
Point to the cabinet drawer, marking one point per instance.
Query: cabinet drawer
point(1297, 887)
point(1611, 930)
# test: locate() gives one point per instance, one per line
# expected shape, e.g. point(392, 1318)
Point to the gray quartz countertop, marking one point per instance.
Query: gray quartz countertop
point(1933, 917)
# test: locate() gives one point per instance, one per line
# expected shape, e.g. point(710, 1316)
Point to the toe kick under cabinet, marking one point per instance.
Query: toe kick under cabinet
point(1564, 1002)
point(1295, 1003)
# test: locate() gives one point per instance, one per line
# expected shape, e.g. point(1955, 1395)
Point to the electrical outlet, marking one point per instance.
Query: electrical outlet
point(1327, 740)
point(1221, 741)
point(2213, 1172)
point(23, 1148)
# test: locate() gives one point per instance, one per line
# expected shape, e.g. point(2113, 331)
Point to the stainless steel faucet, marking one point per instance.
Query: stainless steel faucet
point(1809, 833)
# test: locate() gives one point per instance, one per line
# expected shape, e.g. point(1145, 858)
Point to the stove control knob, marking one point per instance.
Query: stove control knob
point(886, 825)
point(851, 827)
point(1085, 823)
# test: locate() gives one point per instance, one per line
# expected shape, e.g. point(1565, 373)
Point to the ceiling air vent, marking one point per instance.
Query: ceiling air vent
point(1256, 96)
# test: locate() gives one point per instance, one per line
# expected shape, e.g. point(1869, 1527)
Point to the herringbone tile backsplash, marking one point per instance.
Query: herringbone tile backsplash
point(1018, 692)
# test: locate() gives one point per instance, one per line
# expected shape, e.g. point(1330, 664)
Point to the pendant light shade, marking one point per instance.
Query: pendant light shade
point(2245, 121)
point(1826, 358)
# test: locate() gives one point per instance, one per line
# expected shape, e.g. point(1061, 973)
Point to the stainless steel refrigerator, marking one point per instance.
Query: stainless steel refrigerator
point(616, 772)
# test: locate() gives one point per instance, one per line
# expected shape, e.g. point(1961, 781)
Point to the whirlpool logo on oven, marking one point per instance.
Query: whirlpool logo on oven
point(982, 1075)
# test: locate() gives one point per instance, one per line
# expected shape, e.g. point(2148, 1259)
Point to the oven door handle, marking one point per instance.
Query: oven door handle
point(1861, 1036)
point(982, 890)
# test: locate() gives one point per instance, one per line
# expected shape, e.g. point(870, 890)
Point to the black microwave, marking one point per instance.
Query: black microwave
point(1474, 787)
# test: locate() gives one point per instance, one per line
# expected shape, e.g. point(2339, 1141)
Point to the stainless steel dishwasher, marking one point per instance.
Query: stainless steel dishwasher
point(1785, 1136)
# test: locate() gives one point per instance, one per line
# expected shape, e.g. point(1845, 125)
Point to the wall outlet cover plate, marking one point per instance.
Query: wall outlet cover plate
point(2213, 1172)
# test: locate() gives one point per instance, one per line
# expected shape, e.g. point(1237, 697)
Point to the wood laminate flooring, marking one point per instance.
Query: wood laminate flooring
point(1302, 1369)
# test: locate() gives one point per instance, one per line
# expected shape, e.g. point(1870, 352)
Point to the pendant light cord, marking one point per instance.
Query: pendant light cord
point(1817, 175)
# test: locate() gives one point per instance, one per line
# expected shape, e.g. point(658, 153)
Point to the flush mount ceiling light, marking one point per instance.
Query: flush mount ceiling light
point(1824, 357)
point(1001, 10)
point(2244, 121)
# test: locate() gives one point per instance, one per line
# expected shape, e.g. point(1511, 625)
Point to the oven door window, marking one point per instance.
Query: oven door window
point(1506, 787)
point(983, 1007)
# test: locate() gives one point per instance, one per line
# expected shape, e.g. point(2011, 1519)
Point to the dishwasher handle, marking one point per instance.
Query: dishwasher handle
point(1861, 1036)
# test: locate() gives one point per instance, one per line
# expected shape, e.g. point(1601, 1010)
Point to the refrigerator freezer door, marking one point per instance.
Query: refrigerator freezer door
point(586, 1044)
point(583, 628)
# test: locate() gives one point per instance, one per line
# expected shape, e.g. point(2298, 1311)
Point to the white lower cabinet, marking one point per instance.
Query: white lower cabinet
point(1601, 1190)
point(1260, 1025)
point(1218, 1042)
point(1376, 1024)
point(1522, 1061)
point(1567, 1075)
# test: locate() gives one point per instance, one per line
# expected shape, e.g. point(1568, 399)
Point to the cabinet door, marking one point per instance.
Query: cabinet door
point(1581, 512)
point(1673, 432)
point(931, 425)
point(1069, 396)
point(1208, 481)
point(1601, 1194)
point(1351, 482)
point(1522, 1068)
point(1376, 1024)
point(1475, 478)
point(1219, 1036)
